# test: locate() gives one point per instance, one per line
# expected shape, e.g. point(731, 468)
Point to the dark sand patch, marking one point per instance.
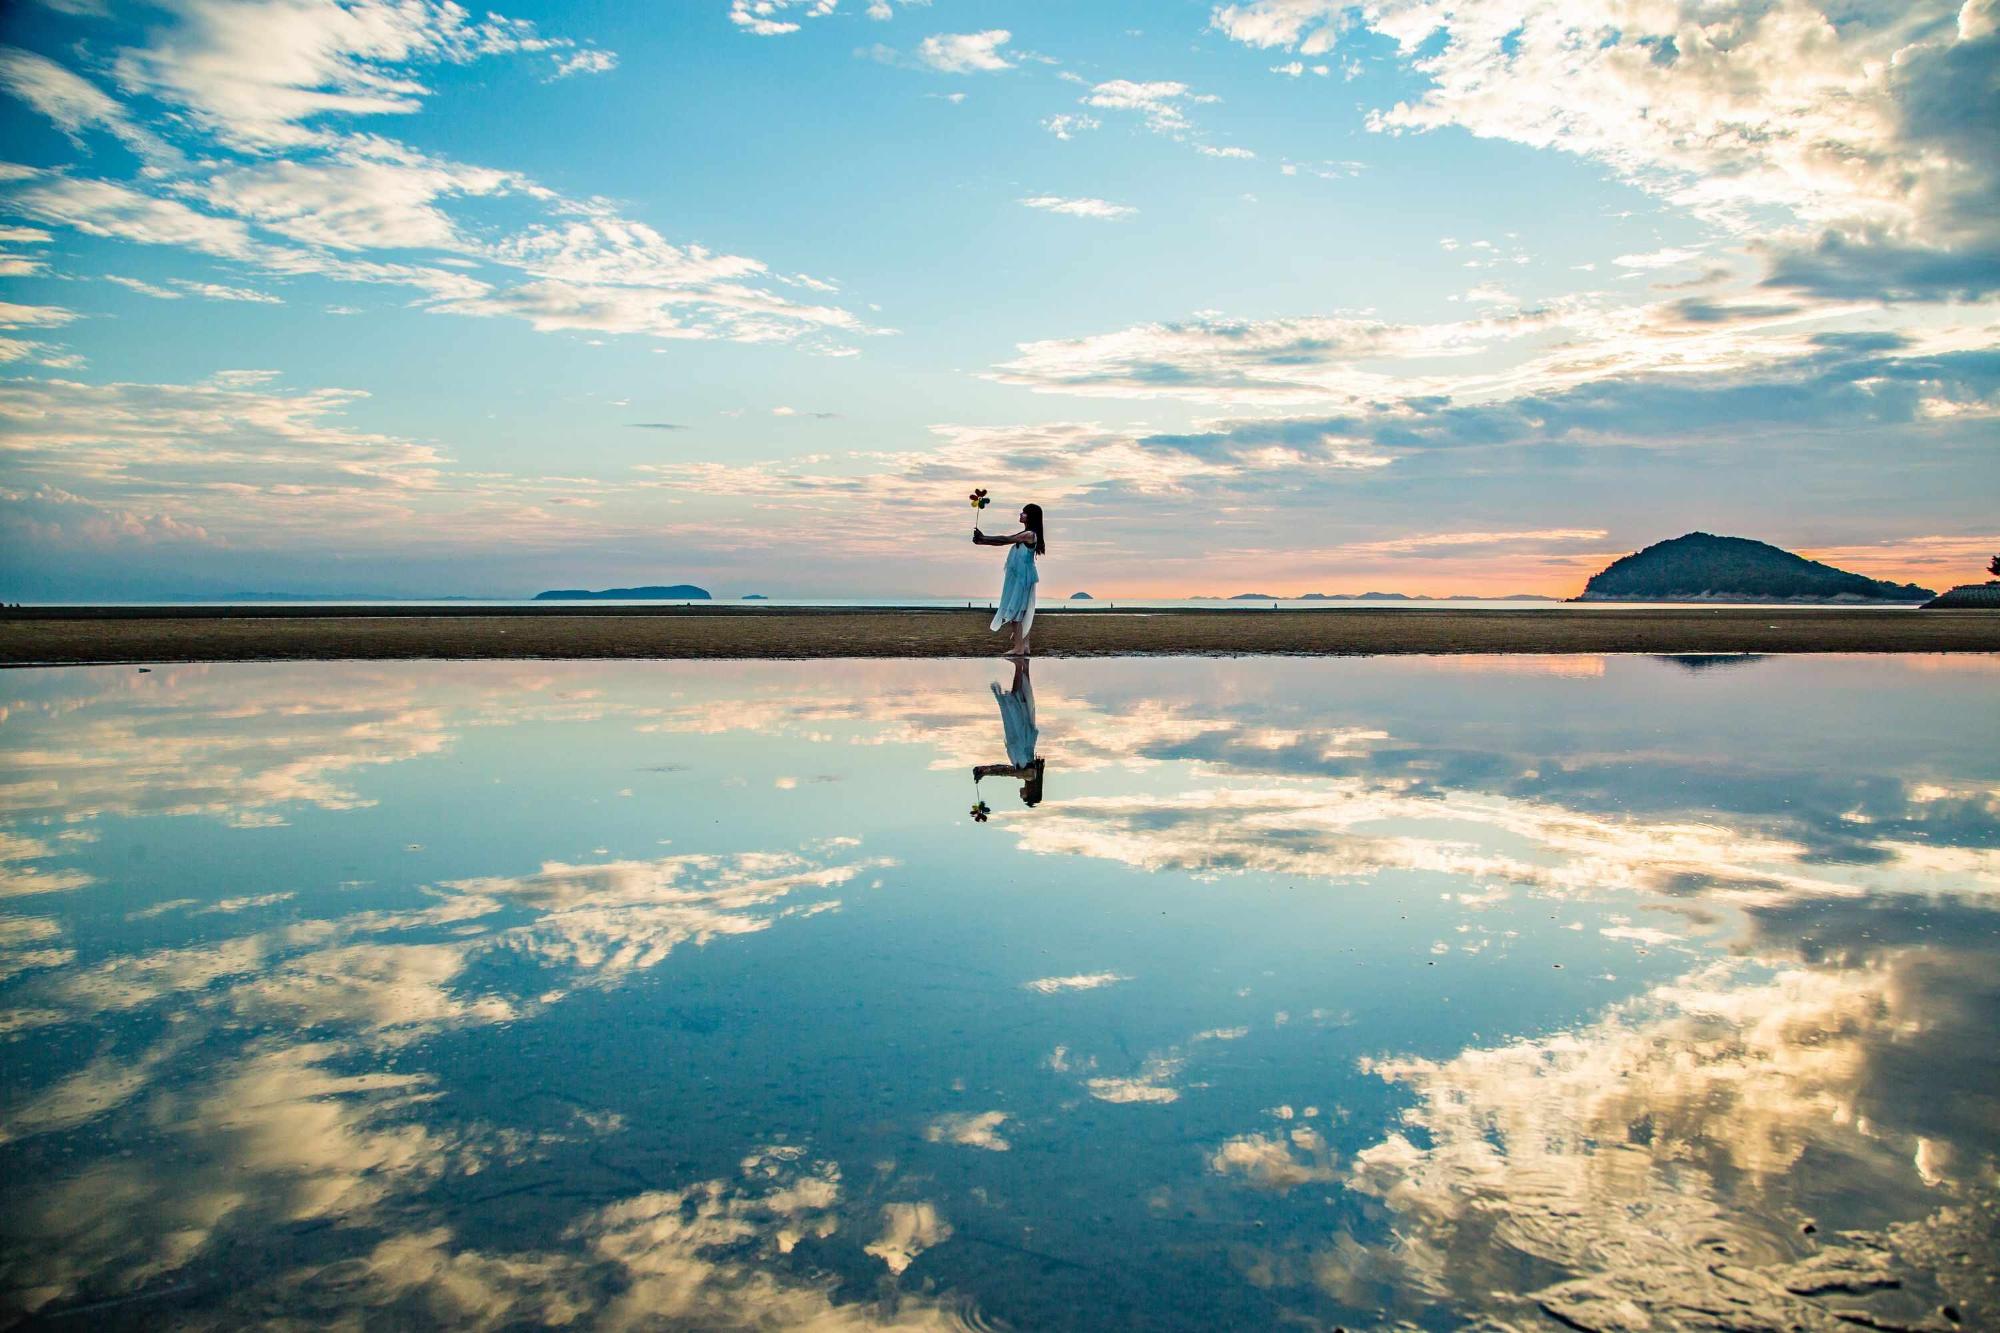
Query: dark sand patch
point(218, 634)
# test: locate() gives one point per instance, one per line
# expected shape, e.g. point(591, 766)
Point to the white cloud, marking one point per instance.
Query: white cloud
point(73, 103)
point(1069, 126)
point(256, 75)
point(14, 315)
point(1148, 1087)
point(219, 438)
point(144, 288)
point(1308, 26)
point(1867, 125)
point(1080, 208)
point(1664, 258)
point(216, 291)
point(1161, 103)
point(102, 208)
point(1271, 1161)
point(310, 200)
point(775, 18)
point(971, 1130)
point(1370, 364)
point(908, 1229)
point(350, 202)
point(584, 62)
point(1077, 981)
point(1437, 540)
point(965, 52)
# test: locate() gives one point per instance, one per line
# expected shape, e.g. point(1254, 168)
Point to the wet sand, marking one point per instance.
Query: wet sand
point(74, 635)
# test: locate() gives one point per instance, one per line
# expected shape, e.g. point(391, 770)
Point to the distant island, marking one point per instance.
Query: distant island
point(1081, 597)
point(1968, 597)
point(752, 597)
point(672, 592)
point(1702, 567)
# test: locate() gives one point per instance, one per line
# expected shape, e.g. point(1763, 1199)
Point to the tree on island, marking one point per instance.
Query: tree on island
point(1993, 566)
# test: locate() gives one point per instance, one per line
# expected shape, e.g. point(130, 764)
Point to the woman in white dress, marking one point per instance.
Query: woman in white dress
point(1017, 593)
point(1024, 737)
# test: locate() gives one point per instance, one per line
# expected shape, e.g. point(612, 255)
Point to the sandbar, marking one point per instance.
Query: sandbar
point(78, 635)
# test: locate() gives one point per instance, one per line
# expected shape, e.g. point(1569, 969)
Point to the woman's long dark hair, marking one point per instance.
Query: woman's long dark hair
point(1032, 515)
point(1031, 786)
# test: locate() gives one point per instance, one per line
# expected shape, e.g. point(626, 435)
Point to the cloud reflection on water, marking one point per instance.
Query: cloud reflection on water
point(1821, 1056)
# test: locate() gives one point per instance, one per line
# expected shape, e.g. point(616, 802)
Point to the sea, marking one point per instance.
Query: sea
point(1529, 993)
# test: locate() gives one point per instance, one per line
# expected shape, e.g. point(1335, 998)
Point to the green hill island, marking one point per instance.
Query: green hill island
point(672, 592)
point(1702, 567)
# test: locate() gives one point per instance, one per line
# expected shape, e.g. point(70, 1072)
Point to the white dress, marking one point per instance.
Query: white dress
point(1017, 722)
point(1017, 594)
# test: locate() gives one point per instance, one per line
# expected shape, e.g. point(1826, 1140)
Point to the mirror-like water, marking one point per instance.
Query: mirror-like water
point(1609, 993)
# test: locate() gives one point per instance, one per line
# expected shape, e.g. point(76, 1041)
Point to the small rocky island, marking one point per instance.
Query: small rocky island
point(1702, 567)
point(671, 592)
point(1972, 596)
point(1081, 597)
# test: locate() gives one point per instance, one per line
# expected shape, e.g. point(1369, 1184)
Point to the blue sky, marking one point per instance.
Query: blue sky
point(1284, 295)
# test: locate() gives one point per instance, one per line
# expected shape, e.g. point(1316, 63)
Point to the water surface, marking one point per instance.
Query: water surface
point(1511, 992)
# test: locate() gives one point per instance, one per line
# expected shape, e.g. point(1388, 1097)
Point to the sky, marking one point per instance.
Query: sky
point(391, 297)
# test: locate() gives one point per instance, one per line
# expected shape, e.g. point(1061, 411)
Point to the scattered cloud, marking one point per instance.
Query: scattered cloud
point(213, 291)
point(1068, 126)
point(1306, 26)
point(1370, 363)
point(970, 1129)
point(259, 92)
point(1079, 981)
point(1161, 104)
point(257, 77)
point(1447, 540)
point(775, 18)
point(1100, 209)
point(1868, 131)
point(584, 62)
point(1665, 258)
point(965, 52)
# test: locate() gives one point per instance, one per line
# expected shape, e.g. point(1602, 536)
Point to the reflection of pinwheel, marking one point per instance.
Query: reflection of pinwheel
point(980, 812)
point(980, 499)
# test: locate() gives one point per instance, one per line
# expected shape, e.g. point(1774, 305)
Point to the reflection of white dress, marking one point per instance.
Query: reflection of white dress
point(1017, 720)
point(1017, 594)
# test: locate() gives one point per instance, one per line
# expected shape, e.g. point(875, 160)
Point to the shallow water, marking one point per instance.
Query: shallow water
point(1353, 992)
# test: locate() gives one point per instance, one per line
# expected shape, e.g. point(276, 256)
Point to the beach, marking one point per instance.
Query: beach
point(74, 635)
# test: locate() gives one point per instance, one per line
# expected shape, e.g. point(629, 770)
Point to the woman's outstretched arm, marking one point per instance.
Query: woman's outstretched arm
point(981, 539)
point(1002, 771)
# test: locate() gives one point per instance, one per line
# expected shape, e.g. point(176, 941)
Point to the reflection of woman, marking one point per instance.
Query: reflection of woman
point(1017, 721)
point(1017, 594)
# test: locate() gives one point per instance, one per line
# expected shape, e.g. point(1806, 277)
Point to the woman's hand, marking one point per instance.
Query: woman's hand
point(977, 535)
